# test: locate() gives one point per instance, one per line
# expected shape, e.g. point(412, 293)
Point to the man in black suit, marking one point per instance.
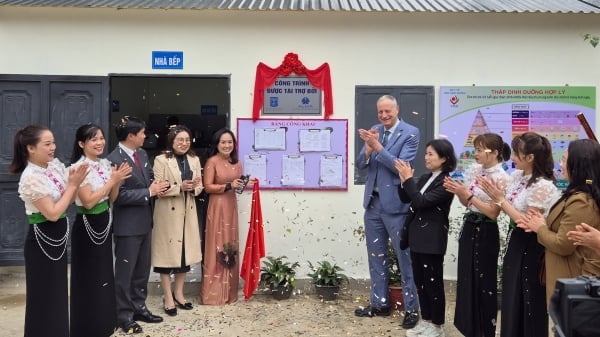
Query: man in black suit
point(132, 226)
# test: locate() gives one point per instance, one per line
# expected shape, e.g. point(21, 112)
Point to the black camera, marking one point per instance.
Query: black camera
point(575, 307)
point(245, 178)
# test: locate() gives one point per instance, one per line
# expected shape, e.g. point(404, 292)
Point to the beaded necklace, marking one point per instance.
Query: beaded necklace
point(40, 236)
point(98, 238)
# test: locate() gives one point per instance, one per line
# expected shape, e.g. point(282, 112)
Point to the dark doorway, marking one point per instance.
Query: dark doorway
point(416, 108)
point(202, 103)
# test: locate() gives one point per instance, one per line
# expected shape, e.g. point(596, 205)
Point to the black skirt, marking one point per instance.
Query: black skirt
point(93, 308)
point(476, 288)
point(523, 294)
point(47, 305)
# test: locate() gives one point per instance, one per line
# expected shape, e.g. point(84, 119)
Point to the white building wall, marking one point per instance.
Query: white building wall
point(362, 48)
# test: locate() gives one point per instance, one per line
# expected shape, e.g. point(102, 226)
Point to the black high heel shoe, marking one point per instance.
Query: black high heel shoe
point(170, 311)
point(184, 306)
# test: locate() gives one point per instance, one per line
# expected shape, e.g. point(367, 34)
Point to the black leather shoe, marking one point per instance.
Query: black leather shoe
point(410, 319)
point(147, 317)
point(184, 306)
point(372, 311)
point(131, 327)
point(171, 311)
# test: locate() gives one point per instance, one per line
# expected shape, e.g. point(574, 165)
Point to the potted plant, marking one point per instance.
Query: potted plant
point(279, 276)
point(395, 279)
point(327, 279)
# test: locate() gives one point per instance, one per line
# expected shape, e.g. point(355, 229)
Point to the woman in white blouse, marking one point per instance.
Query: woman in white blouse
point(479, 241)
point(92, 278)
point(47, 190)
point(531, 187)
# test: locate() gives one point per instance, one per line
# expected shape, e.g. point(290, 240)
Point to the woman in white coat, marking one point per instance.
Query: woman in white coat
point(176, 234)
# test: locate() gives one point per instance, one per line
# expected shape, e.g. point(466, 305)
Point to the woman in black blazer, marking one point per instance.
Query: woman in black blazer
point(427, 230)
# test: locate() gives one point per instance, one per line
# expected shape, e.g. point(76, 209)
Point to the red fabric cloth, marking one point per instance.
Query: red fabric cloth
point(266, 76)
point(255, 246)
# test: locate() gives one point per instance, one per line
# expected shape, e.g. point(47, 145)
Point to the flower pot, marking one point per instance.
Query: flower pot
point(327, 293)
point(282, 292)
point(396, 298)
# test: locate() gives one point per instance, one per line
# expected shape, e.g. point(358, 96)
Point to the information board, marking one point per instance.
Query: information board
point(295, 154)
point(292, 95)
point(468, 111)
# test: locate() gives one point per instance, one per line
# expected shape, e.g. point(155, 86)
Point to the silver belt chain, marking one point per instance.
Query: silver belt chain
point(50, 241)
point(98, 238)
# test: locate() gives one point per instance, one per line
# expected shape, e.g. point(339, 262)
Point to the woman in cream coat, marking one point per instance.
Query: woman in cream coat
point(176, 234)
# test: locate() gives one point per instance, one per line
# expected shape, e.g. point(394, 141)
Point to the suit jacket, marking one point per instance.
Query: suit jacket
point(132, 210)
point(428, 229)
point(563, 258)
point(403, 145)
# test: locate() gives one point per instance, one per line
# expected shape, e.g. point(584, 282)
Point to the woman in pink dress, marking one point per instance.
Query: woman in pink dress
point(222, 172)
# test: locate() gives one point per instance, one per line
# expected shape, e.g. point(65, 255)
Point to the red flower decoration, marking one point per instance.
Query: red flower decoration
point(290, 64)
point(266, 76)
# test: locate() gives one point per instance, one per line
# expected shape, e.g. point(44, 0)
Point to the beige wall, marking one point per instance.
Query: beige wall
point(362, 48)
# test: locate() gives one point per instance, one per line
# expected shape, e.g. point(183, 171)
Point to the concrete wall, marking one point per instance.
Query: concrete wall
point(362, 49)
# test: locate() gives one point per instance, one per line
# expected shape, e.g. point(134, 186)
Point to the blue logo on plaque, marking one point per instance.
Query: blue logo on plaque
point(274, 102)
point(305, 100)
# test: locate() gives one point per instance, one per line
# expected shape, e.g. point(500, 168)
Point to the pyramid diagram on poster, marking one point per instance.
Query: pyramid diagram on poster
point(466, 158)
point(478, 127)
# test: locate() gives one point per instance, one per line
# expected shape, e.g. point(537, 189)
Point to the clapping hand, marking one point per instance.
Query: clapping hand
point(490, 187)
point(585, 235)
point(455, 186)
point(405, 170)
point(188, 185)
point(77, 174)
point(531, 221)
point(159, 188)
point(121, 172)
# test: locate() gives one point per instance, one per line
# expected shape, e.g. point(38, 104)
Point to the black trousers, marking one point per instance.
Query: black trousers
point(132, 269)
point(428, 272)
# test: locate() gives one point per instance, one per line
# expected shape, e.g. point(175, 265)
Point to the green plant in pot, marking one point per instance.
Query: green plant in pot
point(395, 279)
point(279, 276)
point(327, 279)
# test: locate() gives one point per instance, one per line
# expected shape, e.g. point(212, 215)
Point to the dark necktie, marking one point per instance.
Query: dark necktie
point(386, 136)
point(136, 160)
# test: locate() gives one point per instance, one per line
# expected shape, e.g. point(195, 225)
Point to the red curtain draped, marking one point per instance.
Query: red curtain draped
point(320, 78)
point(255, 246)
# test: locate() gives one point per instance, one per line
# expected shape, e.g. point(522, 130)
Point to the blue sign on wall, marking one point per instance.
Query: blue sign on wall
point(167, 60)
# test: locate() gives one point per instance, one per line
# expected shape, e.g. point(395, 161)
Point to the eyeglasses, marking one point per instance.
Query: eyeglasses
point(183, 140)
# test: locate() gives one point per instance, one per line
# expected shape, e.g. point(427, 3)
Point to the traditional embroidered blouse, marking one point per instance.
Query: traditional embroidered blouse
point(496, 173)
point(542, 194)
point(99, 173)
point(37, 182)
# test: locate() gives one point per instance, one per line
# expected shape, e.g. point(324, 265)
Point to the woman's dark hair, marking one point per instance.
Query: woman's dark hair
point(445, 150)
point(29, 135)
point(128, 125)
point(173, 132)
point(539, 146)
point(493, 142)
point(214, 149)
point(83, 134)
point(583, 170)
